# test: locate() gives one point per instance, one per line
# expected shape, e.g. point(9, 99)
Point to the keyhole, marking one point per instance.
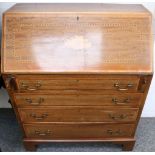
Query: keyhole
point(77, 18)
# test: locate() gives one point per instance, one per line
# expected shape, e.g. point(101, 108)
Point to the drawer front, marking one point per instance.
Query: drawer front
point(78, 131)
point(120, 99)
point(77, 83)
point(77, 114)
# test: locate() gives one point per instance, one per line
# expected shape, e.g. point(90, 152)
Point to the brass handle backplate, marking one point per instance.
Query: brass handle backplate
point(115, 133)
point(116, 101)
point(35, 86)
point(29, 101)
point(39, 133)
point(123, 88)
point(118, 117)
point(43, 116)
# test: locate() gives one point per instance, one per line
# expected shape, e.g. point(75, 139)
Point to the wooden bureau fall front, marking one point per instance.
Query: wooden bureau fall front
point(77, 72)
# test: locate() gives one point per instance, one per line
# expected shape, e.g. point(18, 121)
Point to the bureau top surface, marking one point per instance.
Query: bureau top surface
point(94, 38)
point(76, 7)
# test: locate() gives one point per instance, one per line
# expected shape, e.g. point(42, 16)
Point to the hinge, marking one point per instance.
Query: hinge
point(144, 80)
point(10, 82)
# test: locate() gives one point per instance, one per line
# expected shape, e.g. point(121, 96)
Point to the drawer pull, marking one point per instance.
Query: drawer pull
point(118, 117)
point(125, 101)
point(29, 101)
point(42, 133)
point(115, 133)
point(43, 116)
point(34, 87)
point(118, 86)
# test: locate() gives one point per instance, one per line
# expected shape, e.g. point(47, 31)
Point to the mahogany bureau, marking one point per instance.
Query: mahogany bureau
point(77, 72)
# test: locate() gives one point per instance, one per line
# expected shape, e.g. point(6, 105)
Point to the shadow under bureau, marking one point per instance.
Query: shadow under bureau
point(77, 72)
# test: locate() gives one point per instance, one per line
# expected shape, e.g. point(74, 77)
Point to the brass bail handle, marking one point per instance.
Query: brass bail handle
point(116, 101)
point(118, 117)
point(115, 133)
point(35, 86)
point(30, 101)
point(39, 133)
point(43, 116)
point(123, 88)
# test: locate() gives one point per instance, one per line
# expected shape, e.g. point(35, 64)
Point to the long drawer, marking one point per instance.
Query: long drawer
point(78, 114)
point(119, 99)
point(39, 83)
point(77, 131)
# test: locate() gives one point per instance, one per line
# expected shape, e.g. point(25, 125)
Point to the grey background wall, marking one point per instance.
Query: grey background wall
point(149, 109)
point(3, 94)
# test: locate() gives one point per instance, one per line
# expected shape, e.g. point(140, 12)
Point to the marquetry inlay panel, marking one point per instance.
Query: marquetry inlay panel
point(83, 41)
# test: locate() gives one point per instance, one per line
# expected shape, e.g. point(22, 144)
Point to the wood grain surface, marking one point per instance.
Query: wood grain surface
point(78, 42)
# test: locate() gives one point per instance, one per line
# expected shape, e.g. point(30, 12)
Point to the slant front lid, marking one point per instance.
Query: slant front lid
point(66, 39)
